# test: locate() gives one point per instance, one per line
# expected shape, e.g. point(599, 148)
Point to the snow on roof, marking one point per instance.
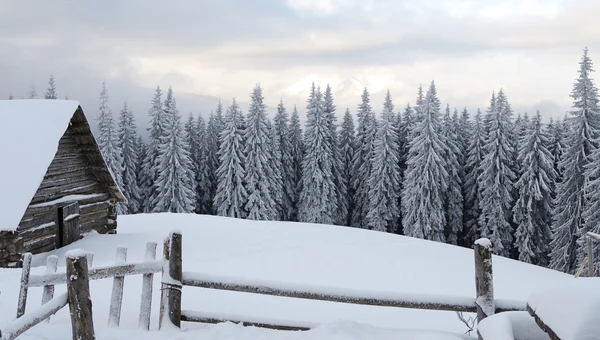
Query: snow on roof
point(571, 310)
point(29, 136)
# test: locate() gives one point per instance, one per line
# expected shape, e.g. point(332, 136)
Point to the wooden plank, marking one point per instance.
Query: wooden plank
point(80, 303)
point(99, 273)
point(42, 229)
point(116, 300)
point(51, 266)
point(274, 291)
point(484, 280)
point(42, 241)
point(43, 249)
point(171, 283)
point(188, 316)
point(27, 321)
point(542, 325)
point(25, 274)
point(146, 301)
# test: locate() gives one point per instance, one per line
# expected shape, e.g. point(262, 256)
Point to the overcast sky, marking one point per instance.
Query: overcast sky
point(216, 49)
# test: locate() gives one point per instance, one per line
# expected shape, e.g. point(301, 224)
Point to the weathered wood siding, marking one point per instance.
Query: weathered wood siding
point(70, 173)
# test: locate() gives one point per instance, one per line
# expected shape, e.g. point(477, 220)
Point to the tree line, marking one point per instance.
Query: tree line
point(424, 171)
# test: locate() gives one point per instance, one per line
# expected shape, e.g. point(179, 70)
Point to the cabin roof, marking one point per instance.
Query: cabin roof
point(30, 131)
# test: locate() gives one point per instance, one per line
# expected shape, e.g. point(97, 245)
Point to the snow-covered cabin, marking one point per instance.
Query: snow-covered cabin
point(55, 186)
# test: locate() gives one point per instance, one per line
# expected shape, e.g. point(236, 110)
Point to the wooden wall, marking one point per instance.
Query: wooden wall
point(70, 173)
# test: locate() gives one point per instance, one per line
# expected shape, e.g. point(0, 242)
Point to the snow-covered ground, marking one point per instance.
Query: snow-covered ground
point(296, 254)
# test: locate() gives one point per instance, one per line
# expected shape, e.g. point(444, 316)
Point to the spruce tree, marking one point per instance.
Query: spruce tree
point(426, 175)
point(142, 150)
point(405, 124)
point(51, 92)
point(175, 186)
point(11, 97)
point(286, 149)
point(201, 156)
point(108, 141)
point(340, 195)
point(129, 151)
point(231, 195)
point(318, 187)
point(148, 173)
point(586, 104)
point(347, 147)
point(474, 156)
point(297, 147)
point(190, 136)
point(361, 167)
point(384, 183)
point(496, 182)
point(453, 198)
point(571, 206)
point(261, 203)
point(274, 170)
point(533, 209)
point(32, 92)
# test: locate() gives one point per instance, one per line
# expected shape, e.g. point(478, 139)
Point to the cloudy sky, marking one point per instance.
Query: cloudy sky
point(208, 50)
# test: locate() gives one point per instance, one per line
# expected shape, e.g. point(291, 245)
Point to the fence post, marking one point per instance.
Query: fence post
point(171, 283)
point(51, 265)
point(590, 251)
point(146, 304)
point(78, 292)
point(163, 292)
point(90, 259)
point(116, 300)
point(484, 279)
point(24, 284)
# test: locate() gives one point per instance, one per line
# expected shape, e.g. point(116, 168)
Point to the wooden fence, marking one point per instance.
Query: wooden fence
point(174, 278)
point(78, 273)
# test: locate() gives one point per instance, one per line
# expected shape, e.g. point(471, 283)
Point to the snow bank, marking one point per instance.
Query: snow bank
point(29, 136)
point(301, 254)
point(510, 326)
point(570, 309)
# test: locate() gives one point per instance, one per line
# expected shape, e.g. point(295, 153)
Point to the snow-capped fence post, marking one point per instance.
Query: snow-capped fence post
point(163, 292)
point(171, 281)
point(484, 279)
point(24, 284)
point(90, 259)
point(51, 266)
point(78, 291)
point(116, 300)
point(146, 304)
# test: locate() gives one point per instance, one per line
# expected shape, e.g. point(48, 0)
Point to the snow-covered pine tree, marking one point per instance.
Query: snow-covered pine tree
point(315, 205)
point(261, 202)
point(426, 177)
point(496, 182)
point(231, 195)
point(51, 92)
point(405, 124)
point(453, 197)
point(464, 130)
point(384, 183)
point(533, 209)
point(141, 150)
point(190, 135)
point(297, 147)
point(274, 170)
point(32, 92)
point(571, 207)
point(419, 105)
point(347, 147)
point(587, 104)
point(11, 97)
point(361, 167)
point(108, 141)
point(175, 185)
point(202, 171)
point(474, 156)
point(148, 173)
point(340, 196)
point(128, 142)
point(288, 177)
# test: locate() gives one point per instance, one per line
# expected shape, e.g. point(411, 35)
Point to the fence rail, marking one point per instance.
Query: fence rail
point(483, 303)
point(77, 276)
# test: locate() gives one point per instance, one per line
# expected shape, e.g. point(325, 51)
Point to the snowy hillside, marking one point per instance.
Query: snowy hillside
point(294, 253)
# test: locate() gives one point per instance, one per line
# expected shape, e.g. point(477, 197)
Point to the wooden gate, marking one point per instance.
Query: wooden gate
point(68, 224)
